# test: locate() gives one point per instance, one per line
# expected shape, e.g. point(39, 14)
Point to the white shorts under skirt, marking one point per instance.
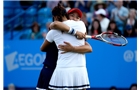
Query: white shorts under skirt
point(69, 78)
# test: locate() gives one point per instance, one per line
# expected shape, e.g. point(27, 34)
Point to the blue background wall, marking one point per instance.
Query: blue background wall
point(107, 65)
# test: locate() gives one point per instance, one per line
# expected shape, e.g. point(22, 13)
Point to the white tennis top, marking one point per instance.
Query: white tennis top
point(69, 59)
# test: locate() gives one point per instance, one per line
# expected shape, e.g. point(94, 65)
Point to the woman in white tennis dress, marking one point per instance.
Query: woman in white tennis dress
point(70, 72)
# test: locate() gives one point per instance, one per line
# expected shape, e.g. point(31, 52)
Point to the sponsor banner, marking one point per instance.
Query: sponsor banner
point(22, 62)
point(107, 65)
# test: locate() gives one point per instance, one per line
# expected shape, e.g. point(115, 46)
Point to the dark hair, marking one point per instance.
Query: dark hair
point(113, 87)
point(35, 24)
point(59, 11)
point(102, 15)
point(132, 85)
point(97, 4)
point(111, 22)
point(116, 29)
point(99, 28)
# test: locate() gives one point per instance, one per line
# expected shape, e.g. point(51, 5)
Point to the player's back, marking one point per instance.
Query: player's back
point(72, 59)
point(69, 59)
point(77, 25)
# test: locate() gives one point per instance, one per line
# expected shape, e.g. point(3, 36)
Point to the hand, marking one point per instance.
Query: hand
point(80, 35)
point(66, 48)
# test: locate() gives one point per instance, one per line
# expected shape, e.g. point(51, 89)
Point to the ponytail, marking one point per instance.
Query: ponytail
point(59, 11)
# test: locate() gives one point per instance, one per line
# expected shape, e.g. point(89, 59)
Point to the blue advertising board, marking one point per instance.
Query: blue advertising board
point(107, 65)
point(112, 66)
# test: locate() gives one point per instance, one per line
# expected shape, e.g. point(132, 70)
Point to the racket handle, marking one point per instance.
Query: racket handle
point(88, 36)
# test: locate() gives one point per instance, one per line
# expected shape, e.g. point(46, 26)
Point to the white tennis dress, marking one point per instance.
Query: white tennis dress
point(70, 72)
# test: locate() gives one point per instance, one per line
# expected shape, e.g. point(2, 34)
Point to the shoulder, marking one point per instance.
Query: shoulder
point(73, 23)
point(80, 22)
point(124, 8)
point(106, 20)
point(52, 34)
point(53, 31)
point(114, 9)
point(68, 21)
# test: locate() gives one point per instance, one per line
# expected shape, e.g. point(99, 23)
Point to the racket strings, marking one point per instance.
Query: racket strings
point(112, 38)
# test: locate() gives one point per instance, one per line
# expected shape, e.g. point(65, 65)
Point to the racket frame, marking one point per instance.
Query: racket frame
point(99, 37)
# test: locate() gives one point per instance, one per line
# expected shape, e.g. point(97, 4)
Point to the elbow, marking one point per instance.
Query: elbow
point(43, 50)
point(90, 49)
point(54, 25)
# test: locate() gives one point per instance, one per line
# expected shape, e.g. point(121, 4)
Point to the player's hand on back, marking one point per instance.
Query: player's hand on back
point(66, 48)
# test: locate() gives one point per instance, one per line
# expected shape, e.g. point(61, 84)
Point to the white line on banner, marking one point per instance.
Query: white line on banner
point(32, 68)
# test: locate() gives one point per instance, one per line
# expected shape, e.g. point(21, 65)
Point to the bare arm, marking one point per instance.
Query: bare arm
point(60, 26)
point(68, 47)
point(44, 46)
point(79, 49)
point(83, 49)
point(63, 27)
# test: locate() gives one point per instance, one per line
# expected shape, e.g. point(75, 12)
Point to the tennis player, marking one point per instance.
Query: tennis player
point(50, 62)
point(73, 14)
point(70, 71)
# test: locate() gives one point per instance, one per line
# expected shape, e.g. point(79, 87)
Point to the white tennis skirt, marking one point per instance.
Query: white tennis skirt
point(69, 78)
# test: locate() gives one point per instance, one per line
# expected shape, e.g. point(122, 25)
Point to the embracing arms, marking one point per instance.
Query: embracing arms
point(44, 46)
point(63, 27)
point(67, 47)
point(79, 49)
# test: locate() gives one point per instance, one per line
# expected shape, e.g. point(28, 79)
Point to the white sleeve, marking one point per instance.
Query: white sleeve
point(83, 26)
point(49, 36)
point(126, 12)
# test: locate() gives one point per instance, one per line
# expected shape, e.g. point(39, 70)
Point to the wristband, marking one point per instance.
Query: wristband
point(72, 31)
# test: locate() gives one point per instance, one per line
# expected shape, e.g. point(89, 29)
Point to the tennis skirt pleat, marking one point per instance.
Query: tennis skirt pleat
point(69, 78)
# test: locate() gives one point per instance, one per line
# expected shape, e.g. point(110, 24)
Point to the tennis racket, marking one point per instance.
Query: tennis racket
point(110, 38)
